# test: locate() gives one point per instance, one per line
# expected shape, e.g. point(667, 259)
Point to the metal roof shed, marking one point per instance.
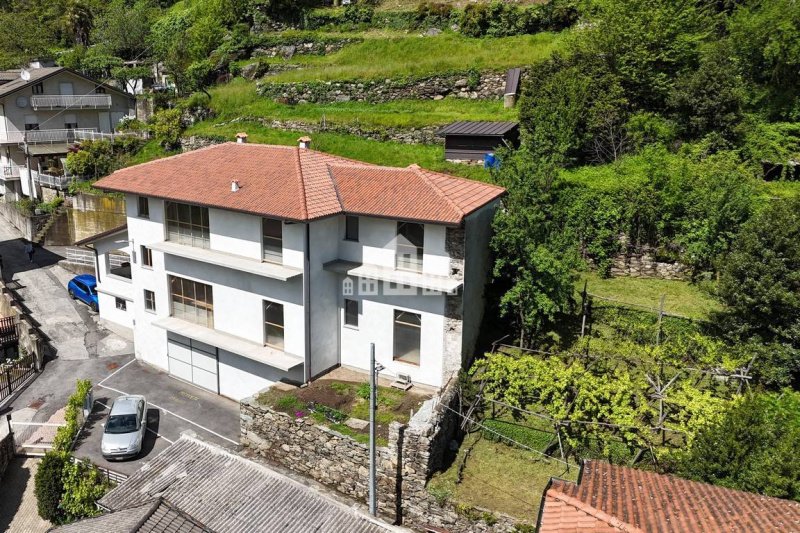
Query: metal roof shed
point(471, 141)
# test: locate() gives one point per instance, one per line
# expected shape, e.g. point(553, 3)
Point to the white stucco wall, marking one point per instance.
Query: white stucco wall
point(325, 289)
point(240, 377)
point(110, 286)
point(376, 324)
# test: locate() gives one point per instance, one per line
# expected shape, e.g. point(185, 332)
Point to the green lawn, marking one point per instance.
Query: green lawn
point(380, 153)
point(239, 98)
point(682, 297)
point(382, 56)
point(500, 478)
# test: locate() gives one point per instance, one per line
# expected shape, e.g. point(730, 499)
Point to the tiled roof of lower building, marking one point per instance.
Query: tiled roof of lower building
point(611, 498)
point(225, 493)
point(152, 516)
point(300, 184)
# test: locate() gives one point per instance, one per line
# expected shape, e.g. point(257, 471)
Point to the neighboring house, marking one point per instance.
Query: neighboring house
point(609, 498)
point(44, 110)
point(253, 264)
point(193, 486)
point(471, 141)
point(113, 273)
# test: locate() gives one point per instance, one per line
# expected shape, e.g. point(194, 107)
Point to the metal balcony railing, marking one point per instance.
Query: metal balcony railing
point(54, 182)
point(69, 101)
point(54, 136)
point(10, 171)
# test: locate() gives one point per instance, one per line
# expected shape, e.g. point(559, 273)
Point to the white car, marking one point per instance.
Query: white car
point(124, 430)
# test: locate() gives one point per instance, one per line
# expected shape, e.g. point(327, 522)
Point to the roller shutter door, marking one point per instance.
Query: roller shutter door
point(194, 362)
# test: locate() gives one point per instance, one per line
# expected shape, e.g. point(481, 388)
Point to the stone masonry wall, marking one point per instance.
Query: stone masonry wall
point(644, 265)
point(414, 452)
point(488, 85)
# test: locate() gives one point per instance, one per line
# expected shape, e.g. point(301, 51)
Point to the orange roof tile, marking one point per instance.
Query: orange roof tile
point(618, 498)
point(300, 184)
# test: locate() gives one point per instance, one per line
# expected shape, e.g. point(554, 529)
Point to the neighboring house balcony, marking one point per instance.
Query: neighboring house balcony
point(54, 136)
point(228, 260)
point(409, 278)
point(10, 172)
point(52, 181)
point(69, 101)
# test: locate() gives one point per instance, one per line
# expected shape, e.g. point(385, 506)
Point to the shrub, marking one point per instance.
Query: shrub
point(26, 206)
point(167, 127)
point(67, 433)
point(48, 486)
point(83, 485)
point(358, 13)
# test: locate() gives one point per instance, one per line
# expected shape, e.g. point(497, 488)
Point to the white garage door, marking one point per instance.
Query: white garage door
point(194, 362)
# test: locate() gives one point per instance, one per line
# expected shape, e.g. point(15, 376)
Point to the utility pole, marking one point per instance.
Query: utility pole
point(374, 368)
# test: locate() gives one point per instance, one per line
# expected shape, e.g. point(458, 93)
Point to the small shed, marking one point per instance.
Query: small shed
point(471, 141)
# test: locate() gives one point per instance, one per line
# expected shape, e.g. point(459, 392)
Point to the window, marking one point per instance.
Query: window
point(187, 224)
point(410, 237)
point(122, 305)
point(407, 328)
point(99, 90)
point(191, 301)
point(38, 88)
point(143, 208)
point(272, 232)
point(147, 257)
point(273, 324)
point(149, 301)
point(351, 228)
point(351, 313)
point(70, 121)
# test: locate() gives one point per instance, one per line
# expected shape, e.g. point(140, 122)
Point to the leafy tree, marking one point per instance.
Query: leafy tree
point(537, 276)
point(754, 447)
point(78, 20)
point(167, 126)
point(83, 485)
point(760, 279)
point(123, 29)
point(48, 486)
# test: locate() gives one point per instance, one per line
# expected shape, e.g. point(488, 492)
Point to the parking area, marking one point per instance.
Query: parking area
point(173, 407)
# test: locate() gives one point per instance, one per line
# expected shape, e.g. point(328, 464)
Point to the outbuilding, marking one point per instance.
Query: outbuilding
point(471, 141)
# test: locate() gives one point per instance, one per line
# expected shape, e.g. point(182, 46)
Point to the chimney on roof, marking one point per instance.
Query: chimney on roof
point(234, 185)
point(241, 137)
point(305, 142)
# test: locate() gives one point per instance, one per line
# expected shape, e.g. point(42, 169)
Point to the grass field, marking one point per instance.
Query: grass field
point(379, 153)
point(239, 98)
point(499, 477)
point(382, 56)
point(682, 297)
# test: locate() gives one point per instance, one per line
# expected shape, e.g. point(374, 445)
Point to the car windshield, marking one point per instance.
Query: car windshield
point(121, 424)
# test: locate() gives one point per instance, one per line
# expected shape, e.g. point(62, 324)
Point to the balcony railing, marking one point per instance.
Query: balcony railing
point(54, 182)
point(10, 171)
point(93, 101)
point(55, 136)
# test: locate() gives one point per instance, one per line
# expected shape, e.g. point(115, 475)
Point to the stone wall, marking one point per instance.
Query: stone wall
point(28, 226)
point(488, 85)
point(29, 337)
point(414, 452)
point(303, 47)
point(6, 452)
point(643, 264)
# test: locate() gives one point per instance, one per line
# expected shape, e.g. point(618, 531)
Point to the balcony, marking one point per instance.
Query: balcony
point(10, 172)
point(55, 136)
point(69, 101)
point(429, 282)
point(54, 182)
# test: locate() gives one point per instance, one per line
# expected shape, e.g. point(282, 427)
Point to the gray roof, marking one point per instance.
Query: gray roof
point(477, 128)
point(36, 75)
point(227, 493)
point(153, 516)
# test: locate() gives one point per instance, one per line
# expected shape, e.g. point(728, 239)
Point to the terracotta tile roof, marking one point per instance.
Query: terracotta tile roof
point(618, 498)
point(300, 184)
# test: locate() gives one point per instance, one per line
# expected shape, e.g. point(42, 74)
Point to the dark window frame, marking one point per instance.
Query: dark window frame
point(196, 299)
point(143, 207)
point(37, 88)
point(271, 242)
point(408, 253)
point(351, 315)
point(405, 325)
point(351, 228)
point(274, 325)
point(120, 304)
point(147, 257)
point(149, 301)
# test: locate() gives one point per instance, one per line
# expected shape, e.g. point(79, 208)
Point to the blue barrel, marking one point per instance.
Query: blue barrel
point(489, 160)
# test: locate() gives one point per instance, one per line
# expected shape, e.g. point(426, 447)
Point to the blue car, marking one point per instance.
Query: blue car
point(84, 288)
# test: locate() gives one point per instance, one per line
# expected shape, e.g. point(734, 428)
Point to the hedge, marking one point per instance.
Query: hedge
point(66, 434)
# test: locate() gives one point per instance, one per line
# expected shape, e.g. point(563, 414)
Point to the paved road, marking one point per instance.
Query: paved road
point(18, 504)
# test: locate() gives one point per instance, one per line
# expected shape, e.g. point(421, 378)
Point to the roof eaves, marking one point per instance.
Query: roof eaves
point(302, 179)
point(102, 234)
point(416, 169)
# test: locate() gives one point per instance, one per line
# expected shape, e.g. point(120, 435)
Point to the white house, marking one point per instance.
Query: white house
point(44, 110)
point(256, 263)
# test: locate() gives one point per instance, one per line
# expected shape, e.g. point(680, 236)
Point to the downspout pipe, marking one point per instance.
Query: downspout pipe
point(307, 303)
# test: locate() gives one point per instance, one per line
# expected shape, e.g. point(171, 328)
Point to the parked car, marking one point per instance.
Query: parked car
point(124, 430)
point(84, 288)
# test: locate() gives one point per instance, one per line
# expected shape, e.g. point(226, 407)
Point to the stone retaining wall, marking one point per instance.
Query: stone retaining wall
point(414, 452)
point(487, 85)
point(29, 226)
point(302, 47)
point(643, 264)
point(6, 452)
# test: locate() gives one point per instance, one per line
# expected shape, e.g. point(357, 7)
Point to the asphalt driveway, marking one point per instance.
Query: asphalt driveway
point(174, 407)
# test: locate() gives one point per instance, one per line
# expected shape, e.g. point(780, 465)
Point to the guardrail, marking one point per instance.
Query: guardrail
point(11, 171)
point(54, 182)
point(93, 101)
point(84, 256)
point(60, 136)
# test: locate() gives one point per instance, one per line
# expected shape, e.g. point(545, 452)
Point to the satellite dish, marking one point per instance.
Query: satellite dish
point(25, 74)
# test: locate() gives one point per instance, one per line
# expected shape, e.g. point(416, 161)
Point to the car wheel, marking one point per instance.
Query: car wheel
point(93, 306)
point(71, 294)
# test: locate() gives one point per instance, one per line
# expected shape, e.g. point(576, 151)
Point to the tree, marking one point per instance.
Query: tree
point(754, 447)
point(78, 21)
point(167, 126)
point(760, 280)
point(124, 27)
point(84, 484)
point(49, 486)
point(537, 275)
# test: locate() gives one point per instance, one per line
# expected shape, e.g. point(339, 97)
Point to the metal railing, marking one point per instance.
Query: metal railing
point(11, 171)
point(84, 256)
point(60, 136)
point(110, 475)
point(93, 101)
point(54, 182)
